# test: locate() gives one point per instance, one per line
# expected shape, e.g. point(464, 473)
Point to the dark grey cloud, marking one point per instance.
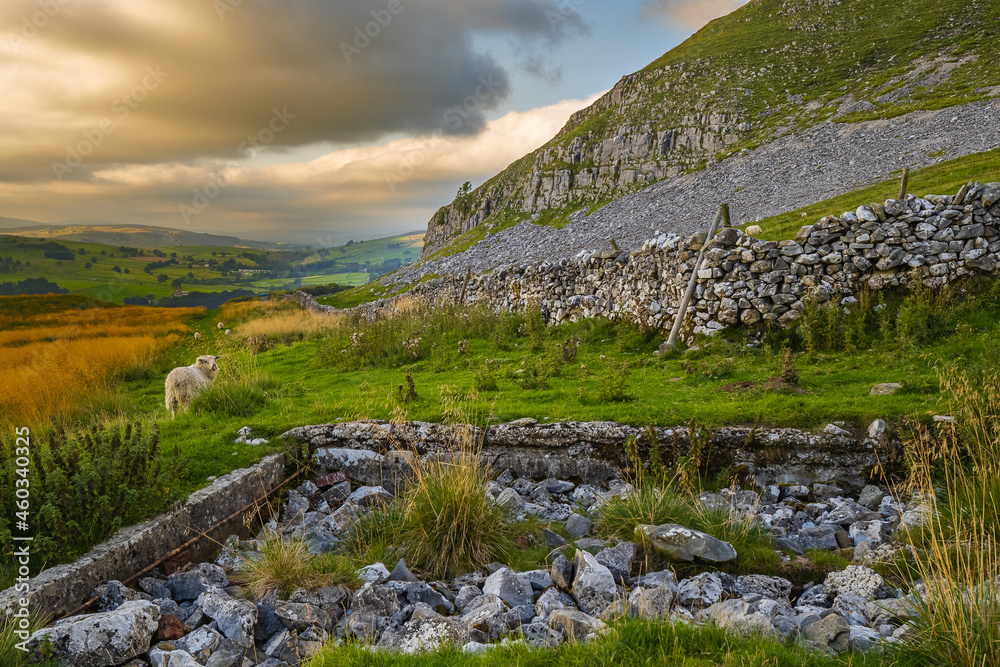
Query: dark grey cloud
point(340, 71)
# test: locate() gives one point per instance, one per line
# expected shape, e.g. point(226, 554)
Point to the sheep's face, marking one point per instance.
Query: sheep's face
point(208, 365)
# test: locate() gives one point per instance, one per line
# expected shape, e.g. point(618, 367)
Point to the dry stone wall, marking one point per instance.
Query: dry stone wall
point(744, 280)
point(379, 452)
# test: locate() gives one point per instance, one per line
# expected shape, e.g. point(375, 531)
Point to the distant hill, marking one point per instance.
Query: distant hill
point(138, 236)
point(116, 272)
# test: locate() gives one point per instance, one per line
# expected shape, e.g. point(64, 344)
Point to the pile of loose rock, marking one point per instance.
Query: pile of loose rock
point(196, 617)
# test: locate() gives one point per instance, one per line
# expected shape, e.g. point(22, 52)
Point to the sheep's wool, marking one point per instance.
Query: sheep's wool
point(185, 383)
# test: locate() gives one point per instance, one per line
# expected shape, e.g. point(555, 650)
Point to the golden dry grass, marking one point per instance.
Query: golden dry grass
point(958, 618)
point(278, 320)
point(286, 564)
point(48, 378)
point(51, 361)
point(93, 323)
point(241, 311)
point(296, 326)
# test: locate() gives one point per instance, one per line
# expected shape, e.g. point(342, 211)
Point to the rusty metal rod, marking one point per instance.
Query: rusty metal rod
point(194, 539)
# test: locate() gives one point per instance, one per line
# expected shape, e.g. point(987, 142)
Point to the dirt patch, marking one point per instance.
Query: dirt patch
point(776, 383)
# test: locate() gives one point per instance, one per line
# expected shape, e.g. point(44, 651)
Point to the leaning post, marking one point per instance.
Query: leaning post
point(465, 285)
point(682, 310)
point(903, 182)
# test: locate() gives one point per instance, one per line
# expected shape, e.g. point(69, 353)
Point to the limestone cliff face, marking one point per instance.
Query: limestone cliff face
point(581, 165)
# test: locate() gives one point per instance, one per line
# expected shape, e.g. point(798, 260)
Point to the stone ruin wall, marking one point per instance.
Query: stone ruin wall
point(744, 280)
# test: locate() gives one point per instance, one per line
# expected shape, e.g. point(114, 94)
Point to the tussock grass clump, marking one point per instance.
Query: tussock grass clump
point(286, 564)
point(444, 523)
point(376, 536)
point(957, 617)
point(450, 523)
point(241, 389)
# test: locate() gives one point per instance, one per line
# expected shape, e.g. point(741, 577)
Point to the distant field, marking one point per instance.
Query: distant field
point(107, 273)
point(352, 279)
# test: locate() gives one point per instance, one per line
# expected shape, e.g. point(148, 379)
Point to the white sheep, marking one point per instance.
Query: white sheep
point(185, 383)
point(753, 230)
point(220, 326)
point(197, 336)
point(228, 332)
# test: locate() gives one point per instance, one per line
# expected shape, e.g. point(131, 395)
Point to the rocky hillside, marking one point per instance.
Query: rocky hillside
point(771, 70)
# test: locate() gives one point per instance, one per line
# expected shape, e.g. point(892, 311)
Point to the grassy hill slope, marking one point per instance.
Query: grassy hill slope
point(141, 236)
point(771, 68)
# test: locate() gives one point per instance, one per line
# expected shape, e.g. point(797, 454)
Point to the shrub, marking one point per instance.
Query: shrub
point(535, 372)
point(614, 385)
point(535, 327)
point(88, 485)
point(286, 564)
point(633, 338)
point(485, 377)
point(789, 371)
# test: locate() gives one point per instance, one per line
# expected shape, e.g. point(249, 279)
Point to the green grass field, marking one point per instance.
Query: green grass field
point(351, 279)
point(473, 364)
point(523, 376)
point(405, 248)
point(631, 643)
point(100, 279)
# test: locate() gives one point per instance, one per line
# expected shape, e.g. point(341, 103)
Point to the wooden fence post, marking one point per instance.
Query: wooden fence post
point(465, 285)
point(903, 182)
point(682, 310)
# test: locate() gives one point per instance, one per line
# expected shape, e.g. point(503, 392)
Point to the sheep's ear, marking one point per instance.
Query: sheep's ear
point(218, 356)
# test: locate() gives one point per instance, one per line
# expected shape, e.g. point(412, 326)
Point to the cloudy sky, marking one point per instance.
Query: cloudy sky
point(301, 120)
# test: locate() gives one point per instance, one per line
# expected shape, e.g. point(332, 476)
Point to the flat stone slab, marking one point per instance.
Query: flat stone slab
point(61, 589)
